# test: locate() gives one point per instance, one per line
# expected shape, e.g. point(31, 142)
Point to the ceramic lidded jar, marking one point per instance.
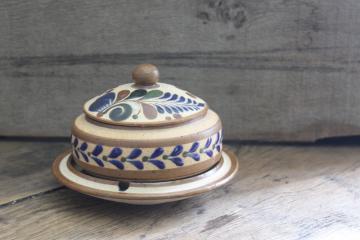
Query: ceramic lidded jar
point(146, 131)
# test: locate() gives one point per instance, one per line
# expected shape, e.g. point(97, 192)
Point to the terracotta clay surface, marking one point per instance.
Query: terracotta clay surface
point(145, 74)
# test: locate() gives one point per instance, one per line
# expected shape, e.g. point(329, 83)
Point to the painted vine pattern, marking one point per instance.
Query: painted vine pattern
point(157, 158)
point(151, 103)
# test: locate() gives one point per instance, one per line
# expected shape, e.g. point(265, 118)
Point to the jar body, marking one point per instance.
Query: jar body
point(149, 153)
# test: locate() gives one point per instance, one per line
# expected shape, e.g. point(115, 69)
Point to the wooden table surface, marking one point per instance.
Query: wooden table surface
point(280, 192)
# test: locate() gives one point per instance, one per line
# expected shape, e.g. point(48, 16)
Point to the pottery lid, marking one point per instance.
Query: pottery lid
point(146, 102)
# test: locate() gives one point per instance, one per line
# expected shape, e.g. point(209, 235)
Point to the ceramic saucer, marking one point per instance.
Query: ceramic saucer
point(69, 174)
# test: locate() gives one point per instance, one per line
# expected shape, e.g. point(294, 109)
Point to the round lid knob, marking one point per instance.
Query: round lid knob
point(145, 74)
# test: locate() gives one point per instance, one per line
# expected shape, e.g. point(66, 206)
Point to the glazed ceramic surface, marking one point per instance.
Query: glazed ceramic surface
point(98, 157)
point(133, 105)
point(144, 193)
point(157, 158)
point(148, 153)
point(146, 143)
point(146, 131)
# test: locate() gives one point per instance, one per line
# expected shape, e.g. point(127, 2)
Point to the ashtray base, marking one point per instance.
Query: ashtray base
point(143, 193)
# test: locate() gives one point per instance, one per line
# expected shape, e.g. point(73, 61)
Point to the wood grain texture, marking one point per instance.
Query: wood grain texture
point(25, 168)
point(281, 192)
point(285, 70)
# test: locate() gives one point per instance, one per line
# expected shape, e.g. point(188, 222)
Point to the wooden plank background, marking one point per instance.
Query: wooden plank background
point(283, 69)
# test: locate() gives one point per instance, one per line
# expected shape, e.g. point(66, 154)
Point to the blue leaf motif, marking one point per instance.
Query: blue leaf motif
point(98, 161)
point(136, 163)
point(177, 161)
point(97, 150)
point(174, 97)
point(102, 102)
point(167, 109)
point(134, 153)
point(179, 108)
point(209, 152)
point(194, 156)
point(117, 163)
point(194, 147)
point(158, 163)
point(208, 142)
point(218, 148)
point(84, 156)
point(201, 104)
point(83, 146)
point(157, 152)
point(115, 152)
point(181, 99)
point(177, 150)
point(166, 95)
point(174, 109)
point(189, 101)
point(159, 109)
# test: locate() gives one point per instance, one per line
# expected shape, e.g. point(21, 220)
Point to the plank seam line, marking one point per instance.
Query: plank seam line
point(16, 201)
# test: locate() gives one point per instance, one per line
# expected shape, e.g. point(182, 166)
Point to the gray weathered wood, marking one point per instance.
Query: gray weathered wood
point(281, 192)
point(285, 70)
point(25, 168)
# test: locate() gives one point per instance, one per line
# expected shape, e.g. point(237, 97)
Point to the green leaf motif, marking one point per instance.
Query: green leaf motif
point(153, 94)
point(121, 112)
point(137, 93)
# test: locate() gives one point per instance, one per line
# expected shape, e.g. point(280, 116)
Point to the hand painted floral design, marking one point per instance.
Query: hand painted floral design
point(157, 158)
point(150, 103)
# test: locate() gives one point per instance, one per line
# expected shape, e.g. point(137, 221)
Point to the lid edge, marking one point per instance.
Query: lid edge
point(199, 114)
point(196, 135)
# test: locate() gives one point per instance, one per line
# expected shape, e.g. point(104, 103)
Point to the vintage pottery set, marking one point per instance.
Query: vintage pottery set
point(146, 143)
